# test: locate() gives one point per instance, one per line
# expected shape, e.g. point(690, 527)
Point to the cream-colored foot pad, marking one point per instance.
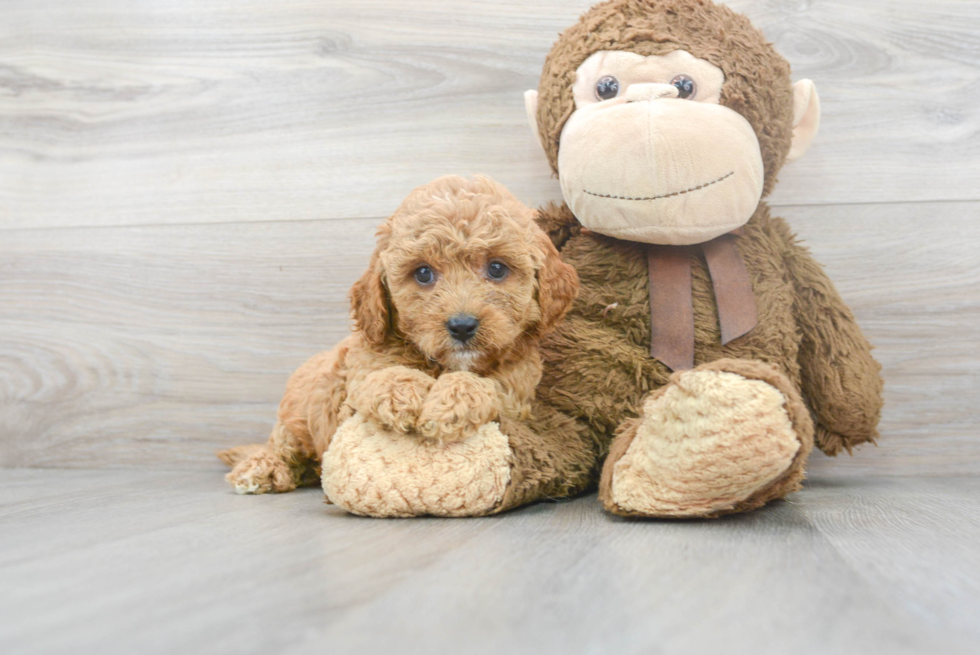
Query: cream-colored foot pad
point(710, 440)
point(371, 472)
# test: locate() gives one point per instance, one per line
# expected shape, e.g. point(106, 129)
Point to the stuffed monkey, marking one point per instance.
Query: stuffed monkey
point(707, 351)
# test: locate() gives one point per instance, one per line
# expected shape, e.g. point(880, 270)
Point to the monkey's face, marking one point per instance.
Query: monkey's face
point(649, 154)
point(668, 120)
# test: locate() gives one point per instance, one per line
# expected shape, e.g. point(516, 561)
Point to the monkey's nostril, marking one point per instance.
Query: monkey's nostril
point(463, 327)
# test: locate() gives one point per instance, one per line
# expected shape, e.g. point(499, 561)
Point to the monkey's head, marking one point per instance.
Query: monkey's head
point(668, 120)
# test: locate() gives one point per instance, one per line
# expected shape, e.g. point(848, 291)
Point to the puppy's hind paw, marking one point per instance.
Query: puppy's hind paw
point(261, 472)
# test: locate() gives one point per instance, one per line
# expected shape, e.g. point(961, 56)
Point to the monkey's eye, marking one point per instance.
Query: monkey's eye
point(686, 87)
point(497, 270)
point(607, 87)
point(424, 275)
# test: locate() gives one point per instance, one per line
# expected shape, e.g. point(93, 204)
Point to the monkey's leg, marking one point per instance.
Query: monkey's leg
point(552, 456)
point(375, 472)
point(727, 436)
point(282, 464)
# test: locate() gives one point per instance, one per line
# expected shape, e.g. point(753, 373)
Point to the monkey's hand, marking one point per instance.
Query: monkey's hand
point(558, 222)
point(840, 379)
point(457, 405)
point(391, 397)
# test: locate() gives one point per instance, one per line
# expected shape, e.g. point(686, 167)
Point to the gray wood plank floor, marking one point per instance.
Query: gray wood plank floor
point(171, 562)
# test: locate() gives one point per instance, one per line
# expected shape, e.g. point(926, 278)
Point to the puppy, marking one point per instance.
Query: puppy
point(460, 288)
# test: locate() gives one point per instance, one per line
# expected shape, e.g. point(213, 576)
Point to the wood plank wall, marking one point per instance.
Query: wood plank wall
point(188, 189)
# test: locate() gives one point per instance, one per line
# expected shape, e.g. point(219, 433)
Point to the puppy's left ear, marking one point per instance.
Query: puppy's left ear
point(557, 286)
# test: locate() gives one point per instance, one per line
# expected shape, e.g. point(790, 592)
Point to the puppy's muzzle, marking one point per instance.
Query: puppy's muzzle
point(463, 327)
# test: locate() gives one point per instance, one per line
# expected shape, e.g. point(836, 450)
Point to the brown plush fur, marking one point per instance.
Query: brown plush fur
point(598, 370)
point(401, 369)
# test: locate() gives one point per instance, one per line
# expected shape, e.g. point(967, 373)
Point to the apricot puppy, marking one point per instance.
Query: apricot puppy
point(459, 290)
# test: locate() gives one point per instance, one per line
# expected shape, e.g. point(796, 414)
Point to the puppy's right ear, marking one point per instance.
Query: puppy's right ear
point(369, 304)
point(558, 286)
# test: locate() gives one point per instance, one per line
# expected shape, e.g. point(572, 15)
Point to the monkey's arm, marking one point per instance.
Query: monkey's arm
point(841, 380)
point(558, 223)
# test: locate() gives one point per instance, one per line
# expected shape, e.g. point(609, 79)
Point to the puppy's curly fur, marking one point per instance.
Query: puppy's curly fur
point(402, 368)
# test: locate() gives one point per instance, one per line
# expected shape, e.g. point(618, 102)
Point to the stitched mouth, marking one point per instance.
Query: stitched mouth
point(666, 195)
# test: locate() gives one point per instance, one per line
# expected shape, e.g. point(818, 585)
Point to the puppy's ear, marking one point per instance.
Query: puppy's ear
point(370, 306)
point(557, 286)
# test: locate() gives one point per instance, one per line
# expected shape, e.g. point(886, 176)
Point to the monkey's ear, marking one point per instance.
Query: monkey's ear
point(531, 107)
point(806, 118)
point(369, 304)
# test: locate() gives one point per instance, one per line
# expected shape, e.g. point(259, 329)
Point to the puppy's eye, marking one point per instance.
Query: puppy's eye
point(424, 275)
point(607, 87)
point(497, 270)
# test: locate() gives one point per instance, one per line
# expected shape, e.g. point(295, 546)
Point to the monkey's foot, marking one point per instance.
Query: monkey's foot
point(261, 471)
point(727, 436)
point(375, 472)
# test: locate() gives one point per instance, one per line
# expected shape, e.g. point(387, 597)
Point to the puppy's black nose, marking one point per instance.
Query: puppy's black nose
point(463, 327)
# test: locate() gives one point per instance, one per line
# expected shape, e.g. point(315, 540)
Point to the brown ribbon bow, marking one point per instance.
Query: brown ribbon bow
point(671, 307)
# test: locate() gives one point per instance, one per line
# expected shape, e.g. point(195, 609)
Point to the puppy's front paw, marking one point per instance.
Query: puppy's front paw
point(458, 404)
point(392, 397)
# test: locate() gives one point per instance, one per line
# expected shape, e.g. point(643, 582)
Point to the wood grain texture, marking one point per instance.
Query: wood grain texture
point(117, 113)
point(163, 562)
point(154, 346)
